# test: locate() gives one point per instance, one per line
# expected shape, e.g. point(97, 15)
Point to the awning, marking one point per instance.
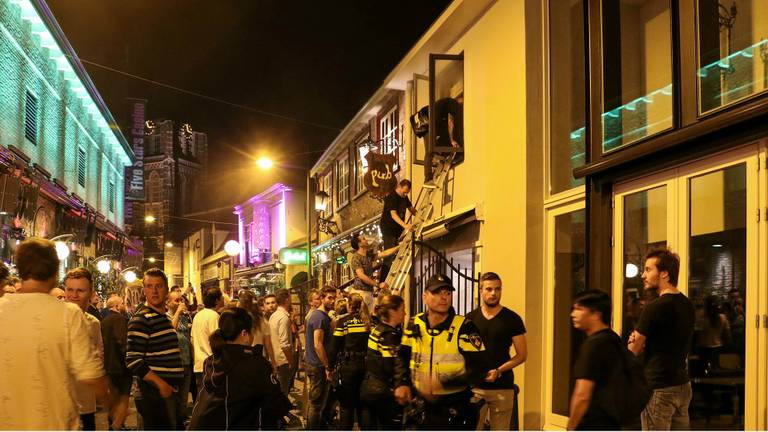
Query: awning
point(345, 234)
point(448, 222)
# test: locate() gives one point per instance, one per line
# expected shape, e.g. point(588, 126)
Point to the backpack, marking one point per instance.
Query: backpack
point(630, 389)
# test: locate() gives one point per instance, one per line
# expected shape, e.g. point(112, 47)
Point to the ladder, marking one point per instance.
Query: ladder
point(401, 266)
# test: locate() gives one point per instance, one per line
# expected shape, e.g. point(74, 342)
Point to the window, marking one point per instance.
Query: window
point(732, 51)
point(388, 132)
point(30, 118)
point(361, 165)
point(637, 70)
point(567, 275)
point(111, 196)
point(81, 166)
point(446, 108)
point(154, 187)
point(327, 187)
point(342, 182)
point(567, 84)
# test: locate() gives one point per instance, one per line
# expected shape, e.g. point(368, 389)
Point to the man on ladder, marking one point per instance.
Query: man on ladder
point(392, 222)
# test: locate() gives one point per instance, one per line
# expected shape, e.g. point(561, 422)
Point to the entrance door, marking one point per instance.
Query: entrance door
point(707, 212)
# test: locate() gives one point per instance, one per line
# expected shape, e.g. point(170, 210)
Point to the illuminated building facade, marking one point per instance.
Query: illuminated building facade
point(62, 155)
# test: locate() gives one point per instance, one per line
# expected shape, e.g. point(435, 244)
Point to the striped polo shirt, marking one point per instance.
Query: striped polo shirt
point(153, 345)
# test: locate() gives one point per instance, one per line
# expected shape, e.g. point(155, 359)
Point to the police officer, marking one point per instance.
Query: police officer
point(380, 410)
point(441, 356)
point(348, 351)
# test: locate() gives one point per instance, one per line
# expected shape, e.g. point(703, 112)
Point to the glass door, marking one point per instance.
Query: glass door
point(707, 213)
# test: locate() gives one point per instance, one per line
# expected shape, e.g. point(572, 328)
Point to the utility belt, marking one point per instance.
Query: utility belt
point(461, 410)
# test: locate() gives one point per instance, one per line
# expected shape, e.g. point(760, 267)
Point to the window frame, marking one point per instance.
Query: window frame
point(81, 168)
point(31, 122)
point(430, 142)
point(360, 189)
point(111, 196)
point(343, 187)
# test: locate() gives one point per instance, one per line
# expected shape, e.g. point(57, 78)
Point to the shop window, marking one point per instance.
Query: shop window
point(342, 182)
point(732, 51)
point(567, 88)
point(637, 70)
point(568, 278)
point(30, 118)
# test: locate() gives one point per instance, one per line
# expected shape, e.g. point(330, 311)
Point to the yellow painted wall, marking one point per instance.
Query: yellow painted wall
point(493, 174)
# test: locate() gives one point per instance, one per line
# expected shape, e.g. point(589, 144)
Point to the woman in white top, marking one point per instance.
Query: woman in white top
point(247, 300)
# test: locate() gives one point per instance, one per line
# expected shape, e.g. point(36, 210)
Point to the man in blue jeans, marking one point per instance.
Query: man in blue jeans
point(664, 332)
point(318, 367)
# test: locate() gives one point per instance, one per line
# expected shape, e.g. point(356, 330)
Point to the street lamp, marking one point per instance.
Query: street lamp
point(169, 244)
point(103, 266)
point(152, 259)
point(265, 163)
point(149, 219)
point(232, 248)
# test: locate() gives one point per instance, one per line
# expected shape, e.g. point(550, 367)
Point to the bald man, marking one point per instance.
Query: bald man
point(59, 294)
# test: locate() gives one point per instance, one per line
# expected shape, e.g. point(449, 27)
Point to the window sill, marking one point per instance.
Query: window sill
point(341, 206)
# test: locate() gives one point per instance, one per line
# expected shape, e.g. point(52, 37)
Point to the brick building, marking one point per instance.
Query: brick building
point(175, 157)
point(62, 157)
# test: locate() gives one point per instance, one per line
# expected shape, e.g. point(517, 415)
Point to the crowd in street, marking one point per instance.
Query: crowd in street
point(368, 369)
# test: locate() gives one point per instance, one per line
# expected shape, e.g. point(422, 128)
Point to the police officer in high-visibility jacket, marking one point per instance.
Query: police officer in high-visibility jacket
point(441, 356)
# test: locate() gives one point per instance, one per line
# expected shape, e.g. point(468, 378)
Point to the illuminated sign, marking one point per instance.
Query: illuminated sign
point(293, 256)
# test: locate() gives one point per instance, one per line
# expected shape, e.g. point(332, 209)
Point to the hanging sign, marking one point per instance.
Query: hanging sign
point(380, 178)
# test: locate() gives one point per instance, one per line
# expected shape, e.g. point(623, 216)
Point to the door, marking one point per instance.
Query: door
point(707, 212)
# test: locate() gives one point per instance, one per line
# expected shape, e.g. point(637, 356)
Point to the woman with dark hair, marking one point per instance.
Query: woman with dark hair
point(262, 342)
point(713, 332)
point(380, 410)
point(239, 392)
point(348, 349)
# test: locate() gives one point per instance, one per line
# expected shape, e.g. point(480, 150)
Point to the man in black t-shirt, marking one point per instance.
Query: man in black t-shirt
point(500, 328)
point(392, 222)
point(664, 332)
point(591, 403)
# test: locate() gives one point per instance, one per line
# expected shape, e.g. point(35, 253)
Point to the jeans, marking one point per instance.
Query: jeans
point(318, 396)
point(284, 375)
point(157, 413)
point(349, 393)
point(668, 408)
point(383, 413)
point(182, 397)
point(498, 406)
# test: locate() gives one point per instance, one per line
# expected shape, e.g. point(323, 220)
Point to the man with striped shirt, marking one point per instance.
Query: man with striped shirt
point(153, 355)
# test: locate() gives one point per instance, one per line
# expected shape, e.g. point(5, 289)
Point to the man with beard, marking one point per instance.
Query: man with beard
point(500, 329)
point(664, 333)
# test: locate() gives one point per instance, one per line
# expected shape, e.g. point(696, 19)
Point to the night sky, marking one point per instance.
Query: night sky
point(316, 61)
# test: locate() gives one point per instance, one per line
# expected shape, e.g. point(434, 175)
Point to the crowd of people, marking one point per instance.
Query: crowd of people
point(367, 368)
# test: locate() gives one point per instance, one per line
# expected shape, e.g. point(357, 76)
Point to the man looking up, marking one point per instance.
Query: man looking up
point(78, 286)
point(154, 356)
point(500, 329)
point(665, 332)
point(362, 268)
point(45, 348)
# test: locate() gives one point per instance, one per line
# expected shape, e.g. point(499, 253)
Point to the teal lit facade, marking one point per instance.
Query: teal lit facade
point(74, 135)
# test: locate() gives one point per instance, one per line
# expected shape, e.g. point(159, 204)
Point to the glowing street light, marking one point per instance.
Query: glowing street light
point(168, 244)
point(149, 219)
point(152, 259)
point(232, 248)
point(130, 276)
point(62, 250)
point(265, 163)
point(103, 266)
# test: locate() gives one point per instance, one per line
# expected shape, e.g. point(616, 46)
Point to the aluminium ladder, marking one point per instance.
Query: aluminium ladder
point(401, 266)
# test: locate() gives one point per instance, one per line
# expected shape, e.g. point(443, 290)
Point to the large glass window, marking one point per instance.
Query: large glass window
point(637, 70)
point(569, 280)
point(645, 228)
point(717, 283)
point(567, 111)
point(732, 51)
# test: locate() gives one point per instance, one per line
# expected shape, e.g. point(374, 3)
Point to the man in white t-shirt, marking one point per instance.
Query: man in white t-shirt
point(78, 286)
point(45, 348)
point(282, 339)
point(203, 325)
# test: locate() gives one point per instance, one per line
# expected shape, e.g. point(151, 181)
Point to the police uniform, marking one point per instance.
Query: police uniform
point(453, 352)
point(380, 410)
point(348, 350)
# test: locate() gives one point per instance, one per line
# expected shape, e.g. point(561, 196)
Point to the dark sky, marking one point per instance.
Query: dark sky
point(317, 61)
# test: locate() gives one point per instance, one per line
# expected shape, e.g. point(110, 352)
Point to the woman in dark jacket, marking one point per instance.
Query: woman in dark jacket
point(380, 410)
point(348, 348)
point(239, 391)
